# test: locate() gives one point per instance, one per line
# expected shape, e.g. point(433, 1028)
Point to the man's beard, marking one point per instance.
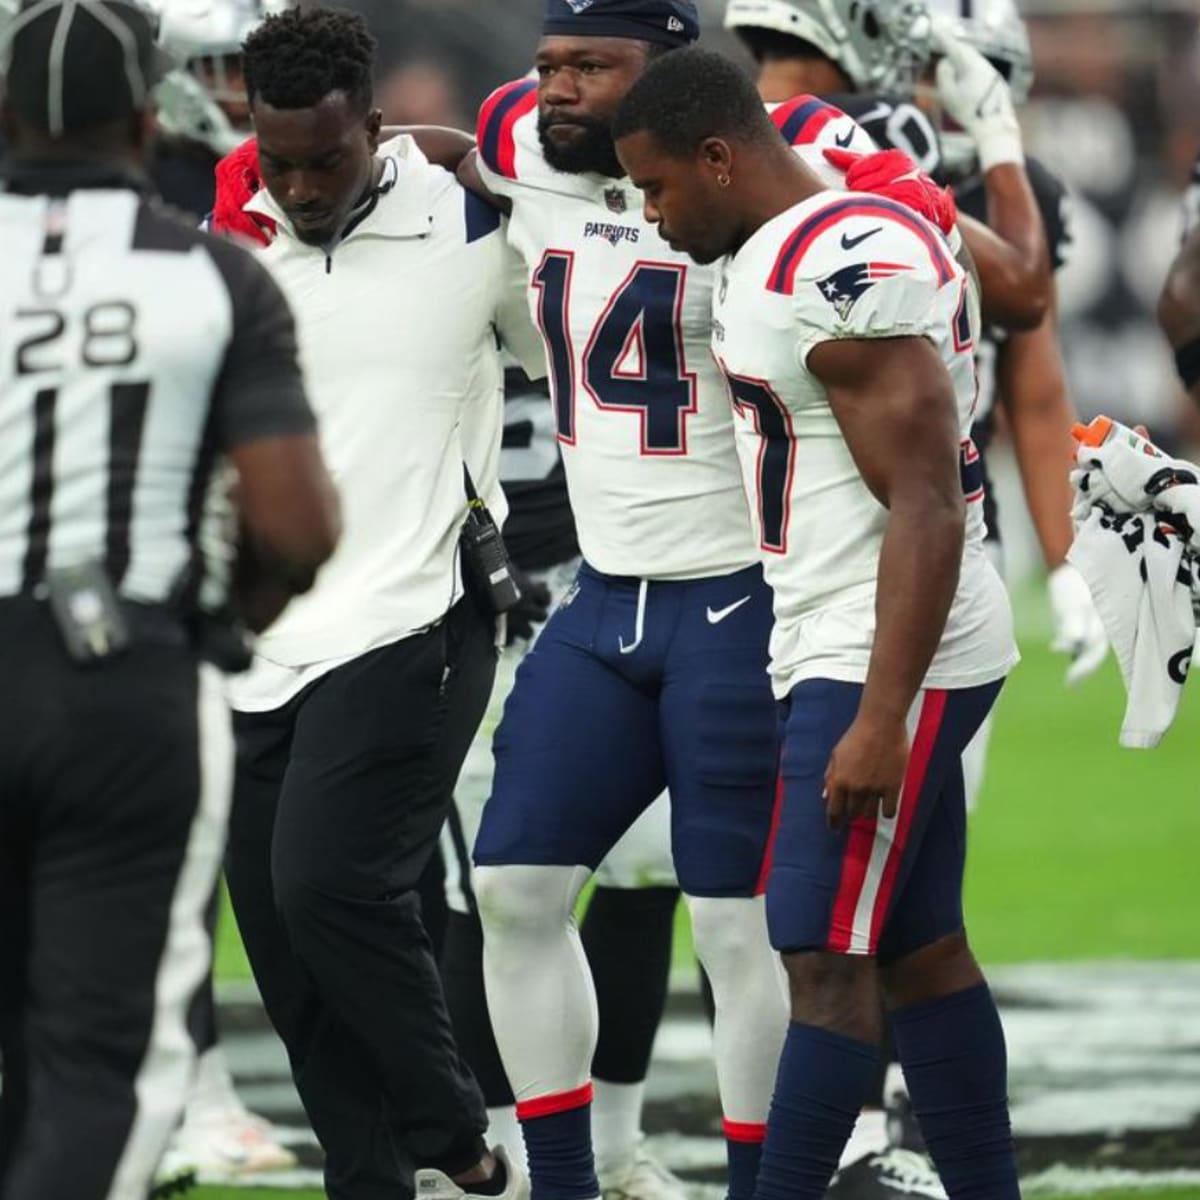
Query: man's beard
point(594, 152)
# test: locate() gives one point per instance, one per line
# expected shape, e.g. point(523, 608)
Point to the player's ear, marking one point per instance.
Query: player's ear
point(373, 125)
point(716, 157)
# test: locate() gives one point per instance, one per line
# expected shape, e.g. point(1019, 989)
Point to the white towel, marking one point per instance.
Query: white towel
point(1144, 582)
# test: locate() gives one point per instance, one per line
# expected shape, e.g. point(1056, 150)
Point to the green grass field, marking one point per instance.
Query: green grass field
point(1079, 850)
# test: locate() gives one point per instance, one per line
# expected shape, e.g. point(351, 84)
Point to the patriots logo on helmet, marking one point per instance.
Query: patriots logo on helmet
point(578, 6)
point(844, 287)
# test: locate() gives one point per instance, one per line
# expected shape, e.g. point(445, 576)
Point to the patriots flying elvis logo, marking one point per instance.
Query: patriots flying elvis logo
point(845, 286)
point(578, 6)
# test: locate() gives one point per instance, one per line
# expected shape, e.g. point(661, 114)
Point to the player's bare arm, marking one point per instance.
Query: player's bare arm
point(1032, 385)
point(1013, 263)
point(1179, 312)
point(470, 178)
point(895, 405)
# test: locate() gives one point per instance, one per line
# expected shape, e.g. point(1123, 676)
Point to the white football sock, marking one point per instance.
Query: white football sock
point(505, 1130)
point(750, 992)
point(539, 988)
point(869, 1137)
point(616, 1121)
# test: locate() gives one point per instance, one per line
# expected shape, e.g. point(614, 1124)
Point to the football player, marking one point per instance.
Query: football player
point(652, 671)
point(1179, 304)
point(867, 59)
point(202, 108)
point(846, 331)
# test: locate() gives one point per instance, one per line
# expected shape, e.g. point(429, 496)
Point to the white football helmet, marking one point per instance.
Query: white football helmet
point(201, 36)
point(997, 30)
point(881, 45)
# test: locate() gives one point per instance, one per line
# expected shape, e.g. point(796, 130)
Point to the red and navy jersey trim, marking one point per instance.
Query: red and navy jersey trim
point(783, 275)
point(802, 118)
point(497, 120)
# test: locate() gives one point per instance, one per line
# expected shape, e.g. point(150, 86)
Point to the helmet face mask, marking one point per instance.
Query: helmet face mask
point(204, 100)
point(880, 45)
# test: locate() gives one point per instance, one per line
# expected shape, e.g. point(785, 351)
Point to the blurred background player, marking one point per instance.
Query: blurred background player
point(984, 51)
point(870, 57)
point(1179, 304)
point(203, 112)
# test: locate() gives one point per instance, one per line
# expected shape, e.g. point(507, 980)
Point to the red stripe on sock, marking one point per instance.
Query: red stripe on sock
point(556, 1102)
point(744, 1131)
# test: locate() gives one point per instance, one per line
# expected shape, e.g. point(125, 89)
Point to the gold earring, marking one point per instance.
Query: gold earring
point(723, 181)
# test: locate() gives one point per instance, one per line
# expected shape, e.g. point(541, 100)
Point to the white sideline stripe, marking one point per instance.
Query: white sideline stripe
point(1084, 1181)
point(162, 1081)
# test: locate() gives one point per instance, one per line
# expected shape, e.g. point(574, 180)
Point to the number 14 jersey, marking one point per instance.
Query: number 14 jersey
point(642, 411)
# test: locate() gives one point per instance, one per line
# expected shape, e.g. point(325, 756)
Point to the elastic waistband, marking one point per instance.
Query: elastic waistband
point(751, 574)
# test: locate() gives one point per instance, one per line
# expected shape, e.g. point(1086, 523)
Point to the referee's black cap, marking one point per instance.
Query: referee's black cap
point(73, 65)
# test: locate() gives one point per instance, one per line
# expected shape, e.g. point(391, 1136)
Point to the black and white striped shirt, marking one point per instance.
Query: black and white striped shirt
point(134, 352)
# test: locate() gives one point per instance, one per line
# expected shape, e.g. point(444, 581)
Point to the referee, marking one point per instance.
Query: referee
point(135, 355)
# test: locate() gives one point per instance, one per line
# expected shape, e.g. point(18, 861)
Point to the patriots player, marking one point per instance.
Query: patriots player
point(1179, 304)
point(653, 670)
point(983, 51)
point(846, 331)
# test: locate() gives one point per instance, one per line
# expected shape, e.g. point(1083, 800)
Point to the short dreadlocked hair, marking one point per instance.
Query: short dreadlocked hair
point(295, 59)
point(693, 94)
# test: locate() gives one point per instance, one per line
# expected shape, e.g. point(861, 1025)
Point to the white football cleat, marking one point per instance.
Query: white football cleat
point(641, 1177)
point(432, 1184)
point(226, 1146)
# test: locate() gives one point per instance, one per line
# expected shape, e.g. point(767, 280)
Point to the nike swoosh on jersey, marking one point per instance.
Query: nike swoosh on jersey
point(844, 142)
point(848, 243)
point(716, 616)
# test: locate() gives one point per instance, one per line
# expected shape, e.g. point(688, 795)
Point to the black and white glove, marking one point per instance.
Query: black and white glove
point(977, 97)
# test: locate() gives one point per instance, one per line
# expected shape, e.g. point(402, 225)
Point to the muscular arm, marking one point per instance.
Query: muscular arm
point(1011, 252)
point(443, 146)
point(469, 177)
point(1032, 386)
point(895, 404)
point(1179, 304)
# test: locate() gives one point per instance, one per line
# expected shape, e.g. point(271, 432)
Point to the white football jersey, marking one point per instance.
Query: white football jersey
point(845, 265)
point(642, 412)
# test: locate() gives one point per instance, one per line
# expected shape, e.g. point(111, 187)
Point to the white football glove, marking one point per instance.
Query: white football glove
point(976, 96)
point(1078, 629)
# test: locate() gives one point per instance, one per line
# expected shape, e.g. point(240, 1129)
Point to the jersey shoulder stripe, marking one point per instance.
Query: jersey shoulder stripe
point(497, 118)
point(802, 118)
point(783, 275)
